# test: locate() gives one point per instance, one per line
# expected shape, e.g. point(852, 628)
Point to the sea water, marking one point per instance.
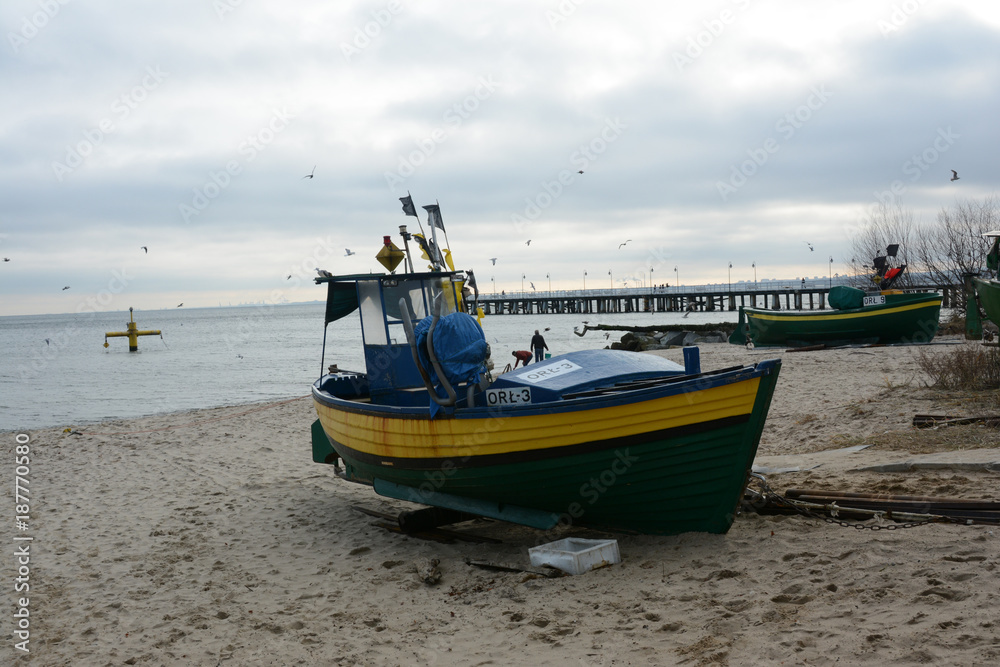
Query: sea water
point(211, 357)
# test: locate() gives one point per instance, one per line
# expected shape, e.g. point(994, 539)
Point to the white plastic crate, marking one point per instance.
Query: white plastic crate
point(575, 555)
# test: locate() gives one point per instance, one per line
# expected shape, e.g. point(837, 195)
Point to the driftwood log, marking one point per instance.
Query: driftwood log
point(662, 337)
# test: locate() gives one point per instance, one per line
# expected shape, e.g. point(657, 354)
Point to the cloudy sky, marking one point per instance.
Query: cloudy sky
point(711, 133)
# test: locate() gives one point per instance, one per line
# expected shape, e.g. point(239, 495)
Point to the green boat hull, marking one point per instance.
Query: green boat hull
point(903, 318)
point(622, 490)
point(988, 292)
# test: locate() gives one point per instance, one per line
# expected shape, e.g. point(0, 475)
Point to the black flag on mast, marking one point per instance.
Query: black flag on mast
point(408, 207)
point(434, 216)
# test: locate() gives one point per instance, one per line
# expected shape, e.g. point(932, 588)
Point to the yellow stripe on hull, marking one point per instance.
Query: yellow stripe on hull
point(842, 316)
point(395, 437)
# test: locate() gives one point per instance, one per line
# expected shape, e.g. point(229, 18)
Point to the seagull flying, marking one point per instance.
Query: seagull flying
point(47, 342)
point(621, 244)
point(811, 249)
point(324, 273)
point(580, 172)
point(6, 259)
point(954, 175)
point(145, 249)
point(180, 304)
point(289, 277)
point(311, 174)
point(532, 284)
point(66, 288)
point(349, 252)
point(494, 260)
point(528, 242)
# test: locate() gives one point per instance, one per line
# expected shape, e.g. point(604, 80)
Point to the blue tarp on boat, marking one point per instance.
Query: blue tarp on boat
point(584, 370)
point(459, 345)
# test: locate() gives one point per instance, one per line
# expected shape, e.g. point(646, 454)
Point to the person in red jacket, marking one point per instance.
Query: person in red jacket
point(523, 357)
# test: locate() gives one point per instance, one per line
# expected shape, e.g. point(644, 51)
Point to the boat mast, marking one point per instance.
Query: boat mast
point(406, 245)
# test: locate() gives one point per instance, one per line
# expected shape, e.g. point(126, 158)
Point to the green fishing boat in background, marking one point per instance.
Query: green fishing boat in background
point(988, 289)
point(885, 316)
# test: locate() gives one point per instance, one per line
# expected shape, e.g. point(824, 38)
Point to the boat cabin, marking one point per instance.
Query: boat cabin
point(389, 305)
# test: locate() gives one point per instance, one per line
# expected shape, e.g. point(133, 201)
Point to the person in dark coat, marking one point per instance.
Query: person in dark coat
point(539, 346)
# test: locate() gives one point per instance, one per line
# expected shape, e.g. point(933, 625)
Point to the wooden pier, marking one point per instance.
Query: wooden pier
point(671, 299)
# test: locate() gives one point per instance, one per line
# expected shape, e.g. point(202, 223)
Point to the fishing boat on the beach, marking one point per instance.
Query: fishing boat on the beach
point(883, 316)
point(987, 289)
point(602, 438)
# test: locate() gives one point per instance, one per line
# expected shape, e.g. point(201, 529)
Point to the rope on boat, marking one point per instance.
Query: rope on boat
point(201, 421)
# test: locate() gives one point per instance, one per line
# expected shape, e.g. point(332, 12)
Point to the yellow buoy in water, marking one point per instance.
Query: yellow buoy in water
point(133, 333)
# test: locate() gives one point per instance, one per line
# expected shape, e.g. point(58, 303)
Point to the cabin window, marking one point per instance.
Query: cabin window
point(372, 319)
point(410, 291)
point(411, 294)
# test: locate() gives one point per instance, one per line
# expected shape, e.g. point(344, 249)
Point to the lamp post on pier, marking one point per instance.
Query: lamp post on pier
point(652, 293)
point(493, 279)
point(522, 283)
point(550, 284)
point(754, 265)
point(730, 276)
point(677, 280)
point(831, 272)
point(612, 280)
point(584, 281)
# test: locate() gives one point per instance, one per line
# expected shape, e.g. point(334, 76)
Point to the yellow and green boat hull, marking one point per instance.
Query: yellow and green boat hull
point(903, 318)
point(665, 459)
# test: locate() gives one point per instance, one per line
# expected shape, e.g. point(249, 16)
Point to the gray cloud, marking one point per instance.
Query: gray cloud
point(484, 109)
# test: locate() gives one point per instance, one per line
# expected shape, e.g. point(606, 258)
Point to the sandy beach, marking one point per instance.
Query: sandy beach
point(211, 538)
